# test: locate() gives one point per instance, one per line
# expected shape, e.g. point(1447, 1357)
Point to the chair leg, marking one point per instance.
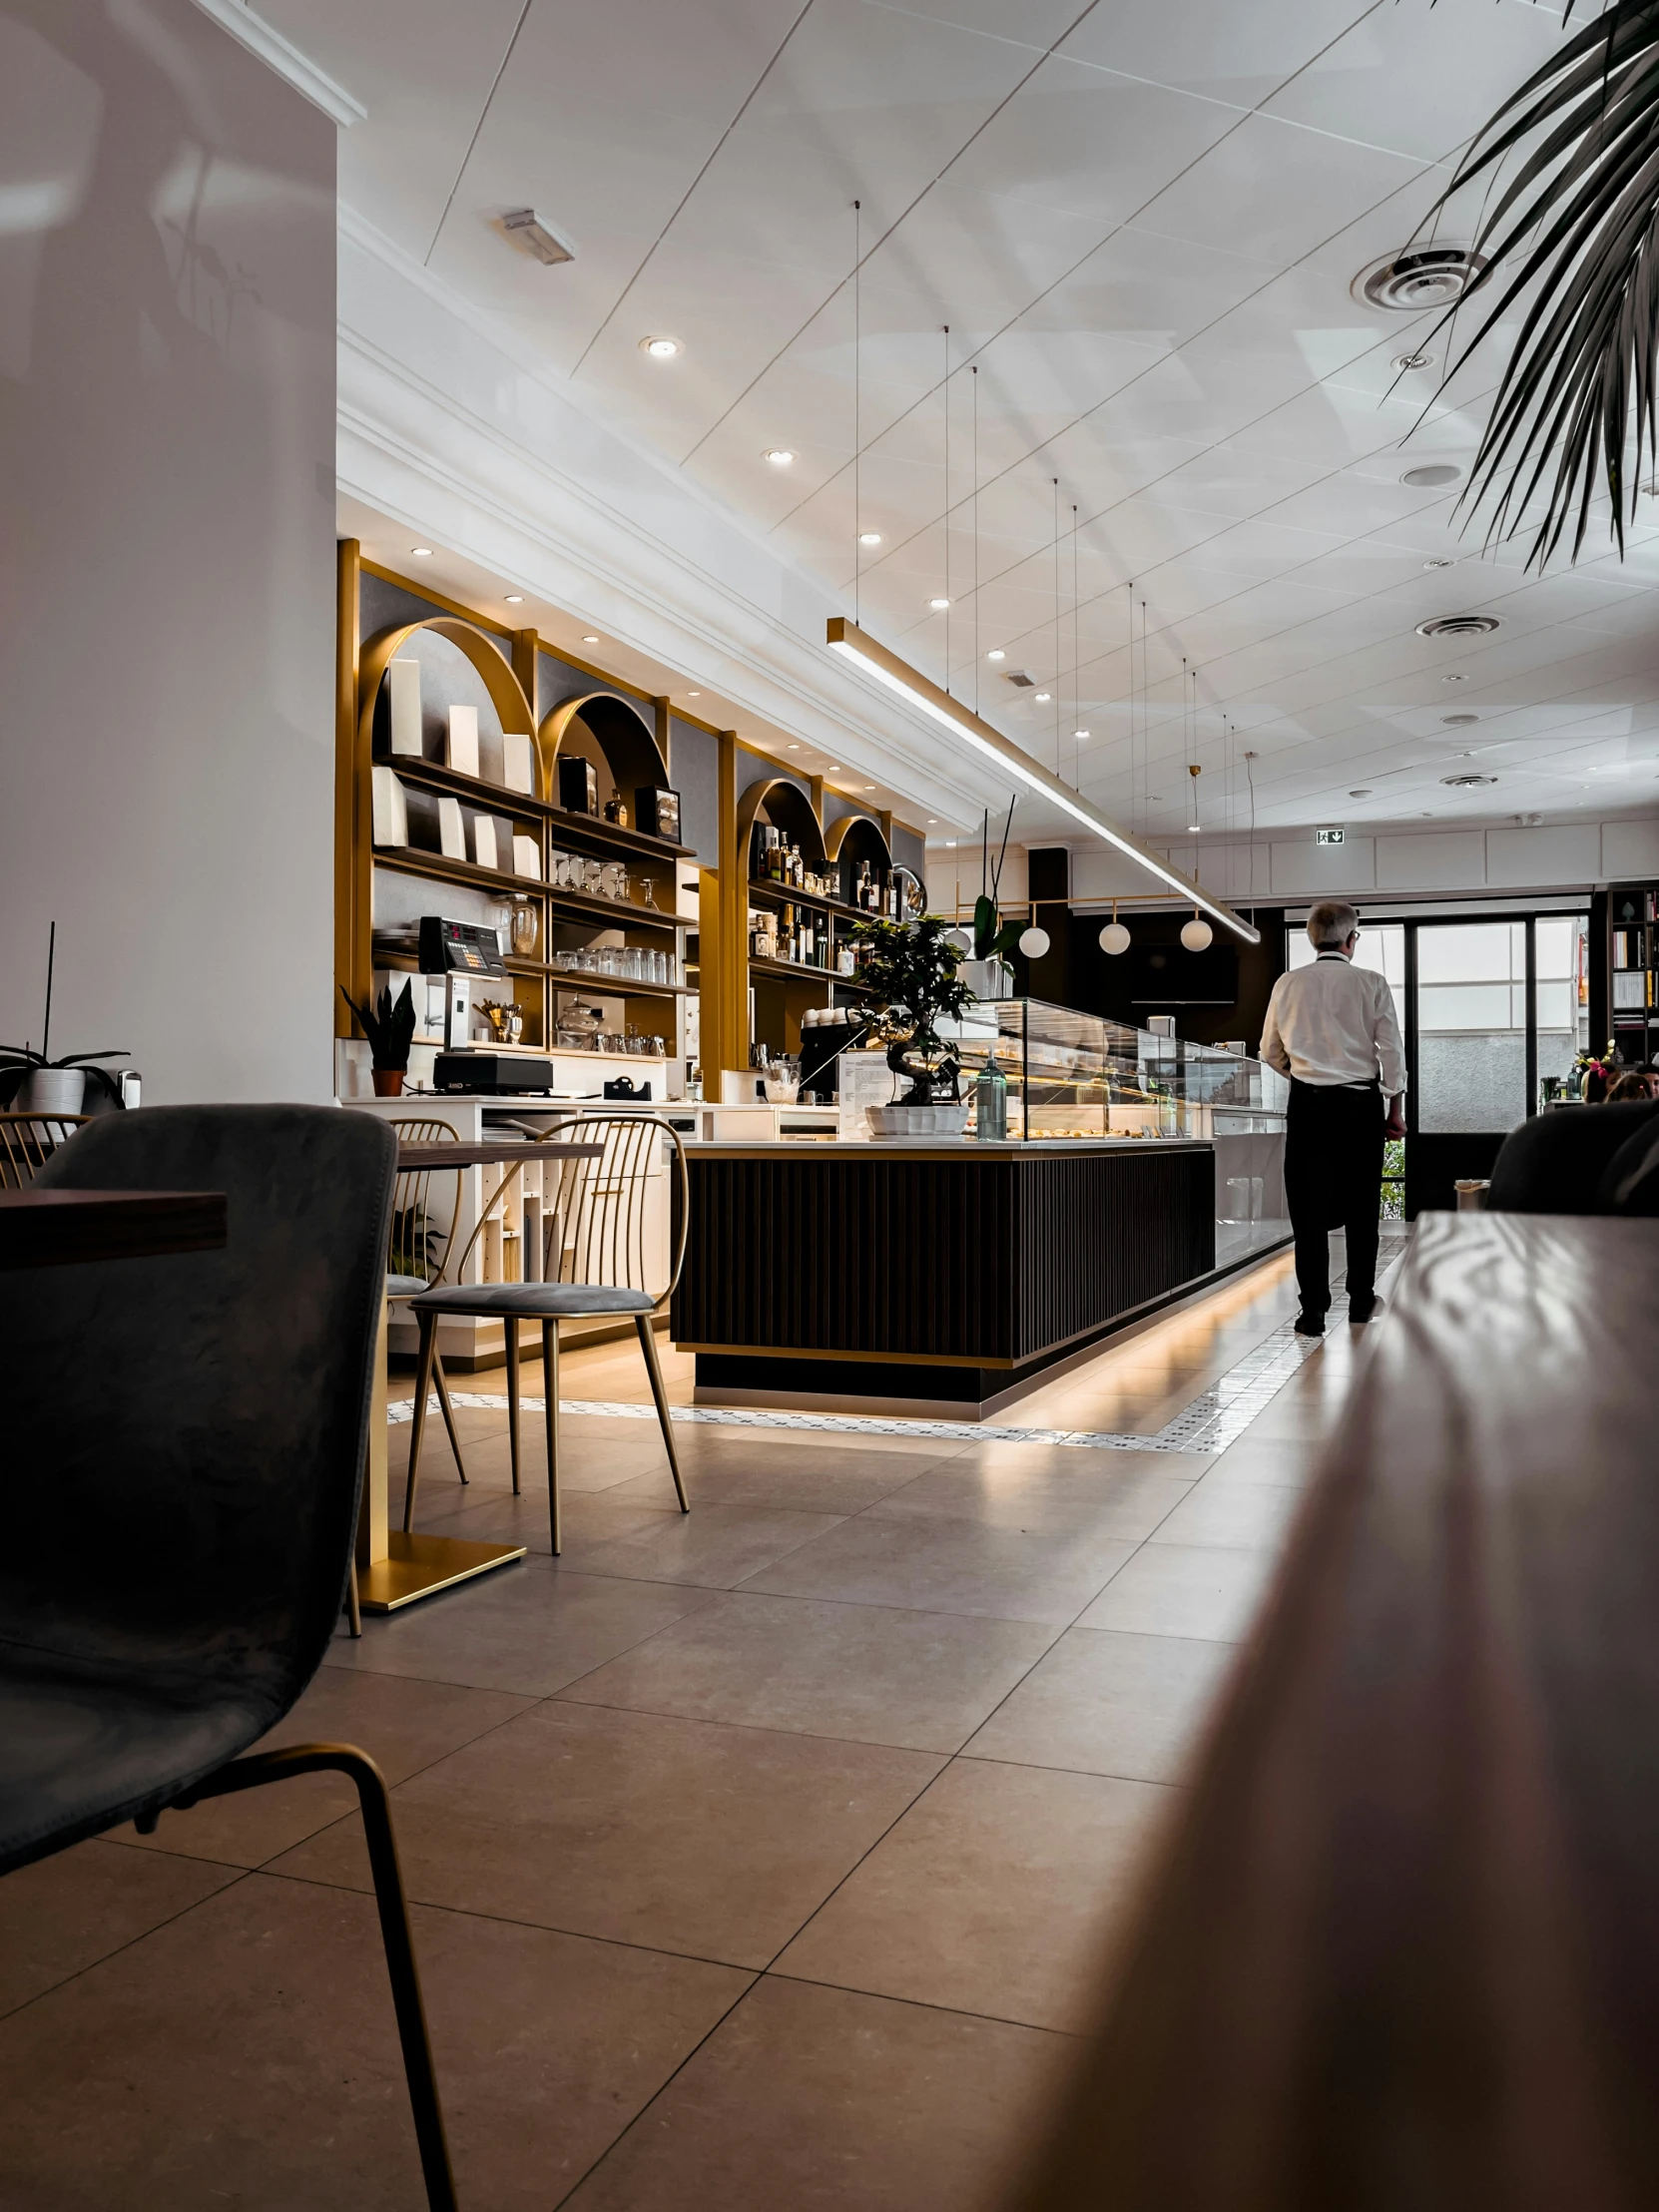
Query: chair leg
point(653, 1367)
point(423, 1382)
point(447, 1410)
point(276, 1766)
point(550, 1398)
point(353, 1610)
point(513, 1393)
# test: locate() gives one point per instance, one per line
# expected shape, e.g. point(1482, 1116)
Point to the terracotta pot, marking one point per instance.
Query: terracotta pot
point(389, 1082)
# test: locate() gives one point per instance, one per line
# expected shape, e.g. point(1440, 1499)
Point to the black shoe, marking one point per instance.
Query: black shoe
point(1374, 1311)
point(1309, 1325)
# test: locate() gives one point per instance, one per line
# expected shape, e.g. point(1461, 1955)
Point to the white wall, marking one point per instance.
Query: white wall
point(167, 434)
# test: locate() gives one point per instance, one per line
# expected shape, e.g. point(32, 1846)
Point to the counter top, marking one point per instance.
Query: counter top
point(934, 1148)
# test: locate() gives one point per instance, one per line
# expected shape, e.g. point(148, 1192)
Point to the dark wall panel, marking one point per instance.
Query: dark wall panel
point(693, 770)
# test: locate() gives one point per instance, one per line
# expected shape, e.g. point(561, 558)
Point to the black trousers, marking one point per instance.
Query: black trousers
point(1334, 1180)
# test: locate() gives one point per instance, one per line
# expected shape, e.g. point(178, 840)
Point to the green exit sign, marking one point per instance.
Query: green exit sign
point(1328, 836)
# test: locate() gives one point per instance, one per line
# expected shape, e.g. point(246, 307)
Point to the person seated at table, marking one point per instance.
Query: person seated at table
point(1634, 1083)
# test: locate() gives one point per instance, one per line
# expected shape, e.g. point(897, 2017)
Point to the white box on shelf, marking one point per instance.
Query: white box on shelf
point(403, 703)
point(451, 830)
point(461, 747)
point(526, 857)
point(391, 807)
point(518, 770)
point(483, 840)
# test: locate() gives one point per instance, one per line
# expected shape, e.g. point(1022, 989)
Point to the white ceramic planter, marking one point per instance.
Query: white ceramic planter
point(913, 1124)
point(987, 979)
point(53, 1091)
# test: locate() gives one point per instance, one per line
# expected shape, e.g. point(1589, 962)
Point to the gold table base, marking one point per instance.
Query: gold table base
point(416, 1566)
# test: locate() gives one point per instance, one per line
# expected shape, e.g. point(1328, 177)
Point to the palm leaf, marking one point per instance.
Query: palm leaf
point(1576, 226)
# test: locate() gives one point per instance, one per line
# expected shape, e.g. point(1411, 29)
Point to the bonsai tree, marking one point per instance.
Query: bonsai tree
point(389, 1029)
point(911, 971)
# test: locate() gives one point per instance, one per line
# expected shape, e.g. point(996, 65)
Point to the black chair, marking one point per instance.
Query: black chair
point(185, 1449)
point(1554, 1162)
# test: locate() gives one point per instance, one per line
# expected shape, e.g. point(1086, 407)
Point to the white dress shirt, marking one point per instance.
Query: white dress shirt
point(1334, 1023)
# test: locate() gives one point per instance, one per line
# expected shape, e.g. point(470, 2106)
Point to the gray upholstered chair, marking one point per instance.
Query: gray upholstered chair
point(597, 1265)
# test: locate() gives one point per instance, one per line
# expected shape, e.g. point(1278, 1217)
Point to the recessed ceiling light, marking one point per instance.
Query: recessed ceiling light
point(515, 599)
point(791, 749)
point(1454, 679)
point(869, 537)
point(1413, 361)
point(778, 455)
point(1437, 564)
point(939, 605)
point(1079, 734)
point(422, 552)
point(1042, 697)
point(590, 639)
point(869, 787)
point(1431, 477)
point(997, 654)
point(949, 843)
point(660, 349)
point(694, 695)
point(932, 822)
point(835, 768)
point(1192, 828)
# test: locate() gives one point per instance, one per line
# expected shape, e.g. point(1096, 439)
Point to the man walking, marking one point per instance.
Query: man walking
point(1331, 1029)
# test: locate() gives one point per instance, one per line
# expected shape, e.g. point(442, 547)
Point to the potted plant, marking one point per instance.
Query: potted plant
point(911, 972)
point(986, 971)
point(35, 1084)
point(390, 1033)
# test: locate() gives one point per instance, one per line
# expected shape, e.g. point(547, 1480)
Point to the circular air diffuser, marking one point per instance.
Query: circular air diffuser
point(1431, 477)
point(1422, 277)
point(1463, 782)
point(1457, 722)
point(1459, 626)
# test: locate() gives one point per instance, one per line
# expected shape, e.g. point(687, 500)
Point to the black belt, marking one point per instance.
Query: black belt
point(1296, 1084)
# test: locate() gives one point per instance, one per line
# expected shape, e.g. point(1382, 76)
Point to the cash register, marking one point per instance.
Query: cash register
point(460, 952)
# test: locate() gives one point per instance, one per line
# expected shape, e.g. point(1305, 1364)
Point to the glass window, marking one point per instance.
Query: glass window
point(1472, 1026)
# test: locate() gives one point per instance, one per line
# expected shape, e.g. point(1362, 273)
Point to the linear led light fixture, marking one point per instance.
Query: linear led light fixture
point(854, 643)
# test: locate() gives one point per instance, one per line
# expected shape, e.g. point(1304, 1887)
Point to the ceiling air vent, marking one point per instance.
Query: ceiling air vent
point(1459, 626)
point(1021, 677)
point(1463, 782)
point(525, 227)
point(1421, 277)
point(1432, 475)
point(1455, 721)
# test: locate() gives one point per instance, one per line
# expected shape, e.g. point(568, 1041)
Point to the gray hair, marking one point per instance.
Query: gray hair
point(1331, 923)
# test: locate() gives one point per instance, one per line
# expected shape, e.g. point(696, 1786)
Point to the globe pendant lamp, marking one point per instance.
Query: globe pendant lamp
point(1197, 936)
point(1114, 938)
point(1033, 942)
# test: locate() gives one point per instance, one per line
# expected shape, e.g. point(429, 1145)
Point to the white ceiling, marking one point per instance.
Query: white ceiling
point(1140, 220)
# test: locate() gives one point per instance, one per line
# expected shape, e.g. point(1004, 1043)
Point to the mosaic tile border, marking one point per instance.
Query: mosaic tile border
point(1217, 1417)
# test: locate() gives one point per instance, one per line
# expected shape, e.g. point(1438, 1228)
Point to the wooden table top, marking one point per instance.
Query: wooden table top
point(49, 1229)
point(492, 1152)
point(1401, 1943)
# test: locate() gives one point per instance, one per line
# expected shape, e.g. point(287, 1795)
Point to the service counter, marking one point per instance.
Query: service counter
point(945, 1279)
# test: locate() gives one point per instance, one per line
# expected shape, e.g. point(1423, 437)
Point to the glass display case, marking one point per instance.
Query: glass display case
point(1076, 1075)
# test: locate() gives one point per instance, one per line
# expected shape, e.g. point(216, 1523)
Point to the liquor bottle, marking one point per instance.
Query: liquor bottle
point(786, 945)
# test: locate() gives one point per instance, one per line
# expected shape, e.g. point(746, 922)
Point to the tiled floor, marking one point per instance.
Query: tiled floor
point(761, 1859)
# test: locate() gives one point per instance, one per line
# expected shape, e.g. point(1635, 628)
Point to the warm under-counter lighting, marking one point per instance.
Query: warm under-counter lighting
point(420, 552)
point(888, 670)
point(869, 537)
point(778, 455)
point(660, 349)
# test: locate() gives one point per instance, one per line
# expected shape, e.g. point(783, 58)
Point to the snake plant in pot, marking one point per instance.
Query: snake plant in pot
point(911, 971)
point(389, 1027)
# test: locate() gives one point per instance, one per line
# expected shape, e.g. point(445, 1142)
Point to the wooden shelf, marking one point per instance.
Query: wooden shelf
point(496, 798)
point(796, 971)
point(411, 860)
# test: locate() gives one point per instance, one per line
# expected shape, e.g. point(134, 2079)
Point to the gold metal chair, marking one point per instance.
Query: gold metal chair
point(410, 1268)
point(28, 1141)
point(596, 1265)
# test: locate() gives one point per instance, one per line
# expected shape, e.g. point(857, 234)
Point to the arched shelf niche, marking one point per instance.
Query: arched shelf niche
point(852, 841)
point(785, 807)
point(615, 736)
point(506, 693)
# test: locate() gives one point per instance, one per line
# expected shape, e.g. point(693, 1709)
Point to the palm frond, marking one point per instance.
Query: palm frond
point(1576, 226)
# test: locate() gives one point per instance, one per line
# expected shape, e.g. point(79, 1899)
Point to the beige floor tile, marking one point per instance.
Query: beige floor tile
point(996, 1893)
point(1105, 1702)
point(403, 1726)
point(1184, 1590)
point(491, 1513)
point(920, 1681)
point(1282, 1462)
point(688, 1837)
point(825, 2101)
point(714, 1546)
point(246, 2056)
point(734, 1471)
point(64, 1912)
point(528, 1629)
point(1046, 1572)
point(1256, 1516)
point(1111, 1493)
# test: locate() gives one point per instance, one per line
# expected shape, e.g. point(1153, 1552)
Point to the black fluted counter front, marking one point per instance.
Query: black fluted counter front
point(941, 1277)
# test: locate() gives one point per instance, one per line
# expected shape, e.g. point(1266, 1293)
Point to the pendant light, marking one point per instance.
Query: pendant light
point(1033, 942)
point(1197, 936)
point(1114, 938)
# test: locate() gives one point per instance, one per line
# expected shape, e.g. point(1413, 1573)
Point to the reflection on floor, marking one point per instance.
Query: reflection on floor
point(763, 1858)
